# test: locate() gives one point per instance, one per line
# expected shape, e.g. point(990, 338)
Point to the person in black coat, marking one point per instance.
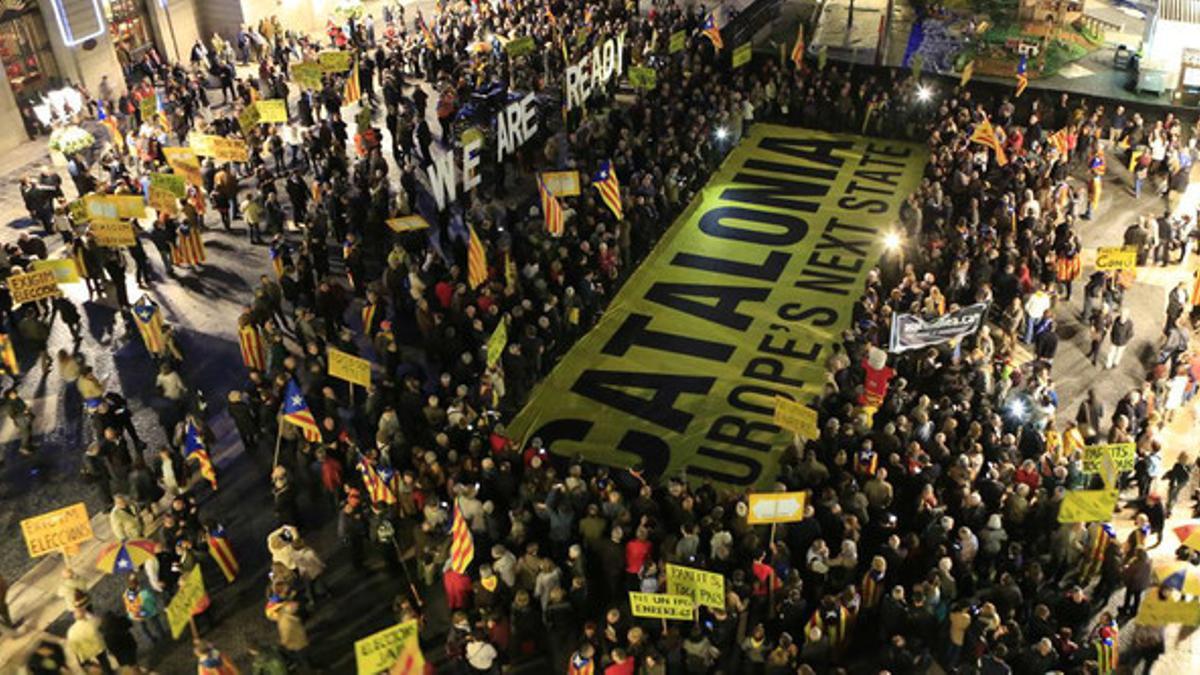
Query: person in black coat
point(117, 630)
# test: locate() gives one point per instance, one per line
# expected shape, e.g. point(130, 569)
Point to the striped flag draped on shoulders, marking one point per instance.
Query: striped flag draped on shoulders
point(609, 186)
point(254, 350)
point(222, 552)
point(148, 318)
point(353, 89)
point(462, 545)
point(188, 248)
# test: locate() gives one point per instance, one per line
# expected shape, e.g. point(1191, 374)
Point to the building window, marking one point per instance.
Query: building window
point(130, 28)
point(25, 51)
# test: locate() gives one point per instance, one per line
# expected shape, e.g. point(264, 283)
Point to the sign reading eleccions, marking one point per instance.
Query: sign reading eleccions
point(595, 70)
point(739, 303)
point(57, 530)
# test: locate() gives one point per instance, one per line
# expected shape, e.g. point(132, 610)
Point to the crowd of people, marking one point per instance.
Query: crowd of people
point(931, 534)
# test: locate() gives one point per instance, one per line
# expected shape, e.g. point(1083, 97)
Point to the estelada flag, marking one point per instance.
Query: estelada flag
point(148, 318)
point(194, 448)
point(379, 487)
point(477, 272)
point(188, 248)
point(712, 32)
point(462, 544)
point(1022, 76)
point(296, 411)
point(609, 186)
point(222, 553)
point(254, 352)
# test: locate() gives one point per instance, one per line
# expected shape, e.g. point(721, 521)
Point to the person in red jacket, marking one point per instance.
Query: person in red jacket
point(637, 552)
point(622, 663)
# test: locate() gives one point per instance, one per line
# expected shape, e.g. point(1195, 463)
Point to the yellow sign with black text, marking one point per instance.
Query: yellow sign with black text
point(740, 302)
point(661, 606)
point(377, 652)
point(219, 148)
point(704, 588)
point(57, 530)
point(115, 206)
point(797, 417)
point(273, 111)
point(1124, 456)
point(112, 233)
point(407, 224)
point(562, 183)
point(349, 367)
point(33, 286)
point(333, 61)
point(1116, 258)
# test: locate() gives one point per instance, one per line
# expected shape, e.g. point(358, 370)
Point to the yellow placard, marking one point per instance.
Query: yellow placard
point(682, 369)
point(562, 183)
point(169, 182)
point(1086, 506)
point(186, 601)
point(1155, 611)
point(33, 286)
point(148, 106)
point(704, 588)
point(78, 210)
point(643, 77)
point(64, 270)
point(520, 46)
point(796, 417)
point(661, 606)
point(776, 507)
point(408, 224)
point(185, 163)
point(307, 74)
point(677, 42)
point(742, 54)
point(273, 111)
point(112, 233)
point(497, 343)
point(58, 530)
point(162, 200)
point(1116, 258)
point(248, 119)
point(1124, 456)
point(334, 61)
point(219, 148)
point(349, 367)
point(112, 207)
point(377, 652)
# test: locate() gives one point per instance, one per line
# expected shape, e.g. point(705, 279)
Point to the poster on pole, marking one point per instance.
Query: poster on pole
point(185, 163)
point(308, 74)
point(59, 530)
point(562, 183)
point(796, 417)
point(273, 111)
point(1124, 456)
point(404, 224)
point(768, 508)
point(334, 61)
point(186, 601)
point(112, 233)
point(378, 652)
point(1110, 258)
point(349, 367)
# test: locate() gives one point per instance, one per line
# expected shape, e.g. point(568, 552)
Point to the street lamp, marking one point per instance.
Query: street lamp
point(924, 94)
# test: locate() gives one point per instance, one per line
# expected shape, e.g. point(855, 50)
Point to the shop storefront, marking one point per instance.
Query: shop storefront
point(25, 50)
point(129, 24)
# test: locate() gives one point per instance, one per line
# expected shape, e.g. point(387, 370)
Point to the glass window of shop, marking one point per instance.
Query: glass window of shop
point(129, 25)
point(25, 52)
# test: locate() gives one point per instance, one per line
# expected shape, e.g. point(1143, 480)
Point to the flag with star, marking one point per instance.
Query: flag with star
point(296, 411)
point(195, 449)
point(609, 187)
point(148, 318)
point(1022, 76)
point(712, 32)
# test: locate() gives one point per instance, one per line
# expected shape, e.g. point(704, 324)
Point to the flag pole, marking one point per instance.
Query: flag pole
point(278, 439)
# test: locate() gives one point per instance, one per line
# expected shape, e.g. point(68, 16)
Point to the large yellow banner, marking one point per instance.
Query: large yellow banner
point(739, 302)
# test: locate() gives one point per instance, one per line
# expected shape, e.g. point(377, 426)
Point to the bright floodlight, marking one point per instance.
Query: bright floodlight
point(924, 94)
point(722, 133)
point(891, 241)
